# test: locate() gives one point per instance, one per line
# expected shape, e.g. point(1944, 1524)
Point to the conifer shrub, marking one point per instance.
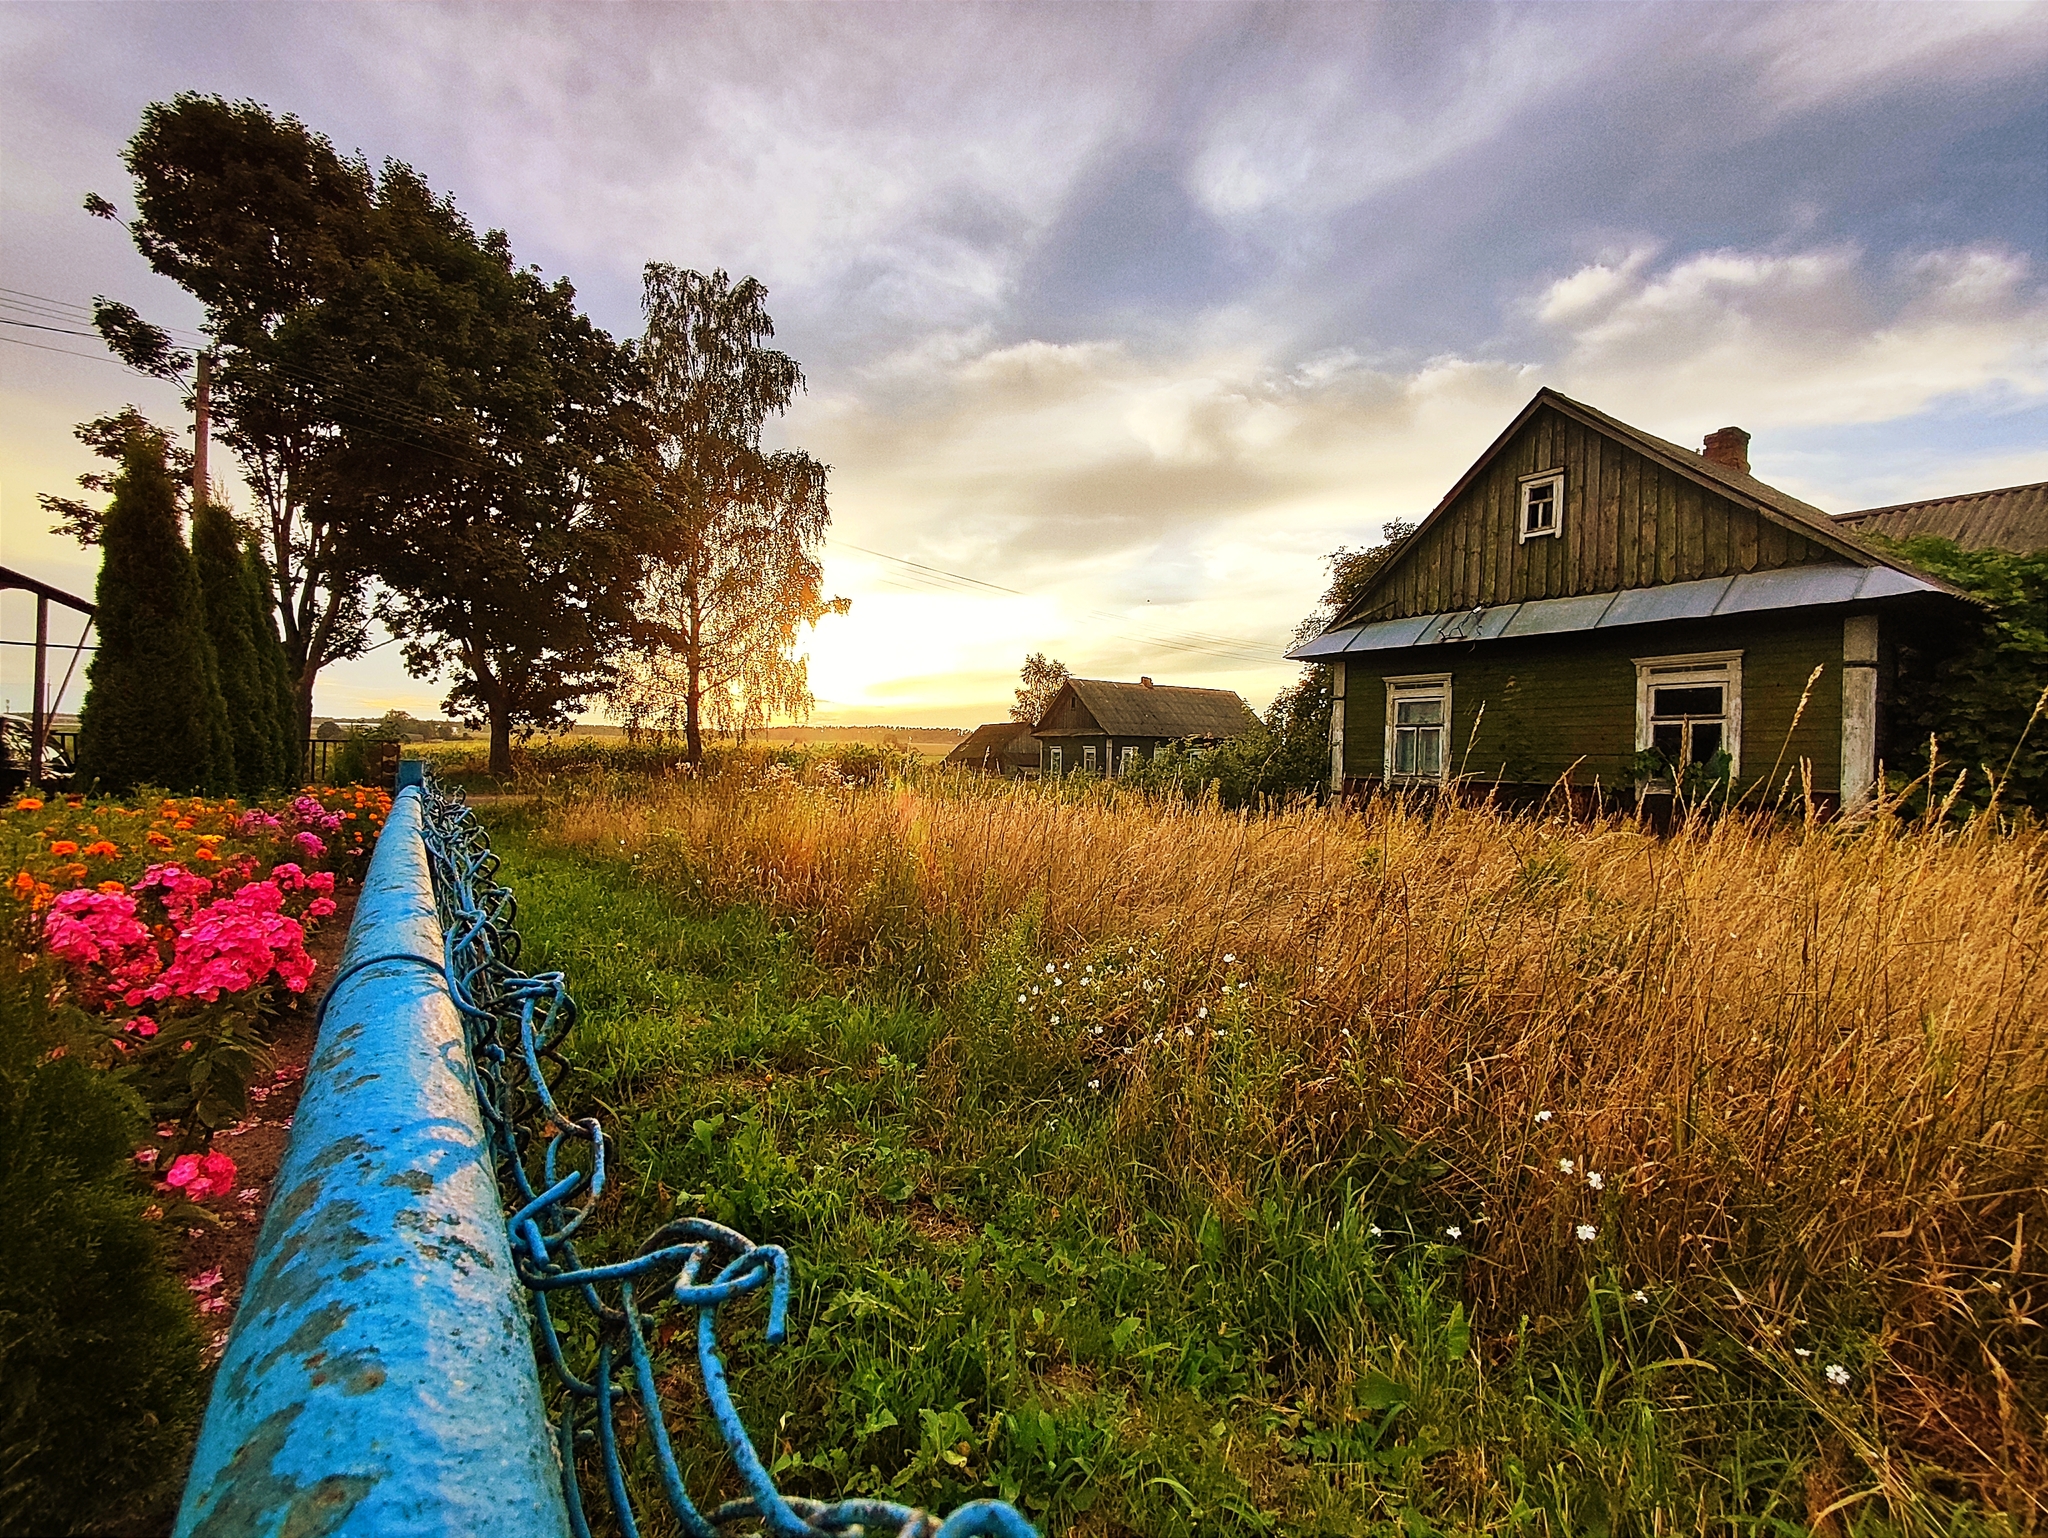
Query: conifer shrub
point(287, 750)
point(230, 625)
point(99, 1345)
point(153, 710)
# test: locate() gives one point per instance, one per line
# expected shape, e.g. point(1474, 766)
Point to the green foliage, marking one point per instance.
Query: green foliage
point(1980, 698)
point(1286, 754)
point(245, 686)
point(99, 1347)
point(356, 763)
point(998, 1294)
point(281, 699)
point(153, 710)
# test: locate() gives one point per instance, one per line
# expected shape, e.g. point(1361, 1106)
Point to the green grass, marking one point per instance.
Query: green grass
point(998, 1294)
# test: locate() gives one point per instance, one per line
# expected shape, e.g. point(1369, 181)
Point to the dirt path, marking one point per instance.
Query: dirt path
point(214, 1262)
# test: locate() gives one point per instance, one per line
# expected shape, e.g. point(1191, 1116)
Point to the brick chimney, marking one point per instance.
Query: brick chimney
point(1146, 682)
point(1730, 447)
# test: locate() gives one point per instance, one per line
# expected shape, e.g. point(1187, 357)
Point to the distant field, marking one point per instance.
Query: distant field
point(1420, 1172)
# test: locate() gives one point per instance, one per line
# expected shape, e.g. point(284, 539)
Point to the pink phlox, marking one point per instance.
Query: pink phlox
point(309, 844)
point(177, 888)
point(235, 944)
point(90, 928)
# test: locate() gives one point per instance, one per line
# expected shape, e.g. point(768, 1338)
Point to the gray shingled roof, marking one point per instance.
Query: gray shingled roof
point(1170, 711)
point(998, 740)
point(2013, 518)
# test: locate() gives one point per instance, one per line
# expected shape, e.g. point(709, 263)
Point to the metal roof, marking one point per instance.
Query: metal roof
point(1796, 587)
point(2013, 518)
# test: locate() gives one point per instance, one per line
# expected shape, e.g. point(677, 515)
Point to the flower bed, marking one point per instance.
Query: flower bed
point(170, 933)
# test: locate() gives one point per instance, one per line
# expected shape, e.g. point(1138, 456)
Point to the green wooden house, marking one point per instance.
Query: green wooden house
point(1593, 605)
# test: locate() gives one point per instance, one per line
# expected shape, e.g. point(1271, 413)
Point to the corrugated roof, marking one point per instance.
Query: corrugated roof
point(997, 741)
point(2013, 518)
point(1795, 587)
point(1170, 711)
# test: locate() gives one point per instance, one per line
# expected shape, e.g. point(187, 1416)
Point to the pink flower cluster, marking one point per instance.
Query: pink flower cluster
point(235, 942)
point(201, 1175)
point(305, 822)
point(98, 932)
point(234, 945)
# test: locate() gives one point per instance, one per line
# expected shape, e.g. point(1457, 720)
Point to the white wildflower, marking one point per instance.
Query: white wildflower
point(1095, 1084)
point(1375, 1230)
point(1055, 1019)
point(1838, 1375)
point(1639, 1296)
point(1801, 1351)
point(1230, 957)
point(1454, 1232)
point(1202, 1013)
point(1021, 999)
point(1565, 1165)
point(1542, 1116)
point(1587, 1233)
point(1596, 1180)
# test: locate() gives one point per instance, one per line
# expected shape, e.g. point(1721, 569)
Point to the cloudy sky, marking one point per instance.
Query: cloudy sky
point(1132, 313)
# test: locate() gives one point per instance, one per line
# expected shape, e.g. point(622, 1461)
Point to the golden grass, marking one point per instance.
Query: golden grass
point(1810, 1066)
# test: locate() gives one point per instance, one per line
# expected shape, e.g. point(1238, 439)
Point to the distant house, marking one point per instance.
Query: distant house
point(1100, 727)
point(1006, 748)
point(1594, 602)
point(2013, 519)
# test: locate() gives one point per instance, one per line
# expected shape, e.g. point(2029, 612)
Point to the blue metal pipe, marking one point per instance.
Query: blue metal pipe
point(380, 1376)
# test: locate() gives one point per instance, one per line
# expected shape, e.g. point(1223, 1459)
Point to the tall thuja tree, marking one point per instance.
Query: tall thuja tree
point(281, 712)
point(265, 223)
point(244, 688)
point(509, 536)
point(736, 578)
point(153, 712)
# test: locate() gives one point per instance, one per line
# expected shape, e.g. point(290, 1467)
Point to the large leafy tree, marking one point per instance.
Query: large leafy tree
point(153, 712)
point(1982, 695)
point(509, 535)
point(1037, 682)
point(265, 223)
point(735, 579)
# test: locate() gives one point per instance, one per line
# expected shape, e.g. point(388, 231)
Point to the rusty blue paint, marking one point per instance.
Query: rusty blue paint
point(380, 1376)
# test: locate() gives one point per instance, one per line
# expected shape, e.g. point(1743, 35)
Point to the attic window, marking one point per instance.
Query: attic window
point(1542, 499)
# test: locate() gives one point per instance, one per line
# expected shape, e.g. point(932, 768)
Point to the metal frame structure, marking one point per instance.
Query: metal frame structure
point(39, 719)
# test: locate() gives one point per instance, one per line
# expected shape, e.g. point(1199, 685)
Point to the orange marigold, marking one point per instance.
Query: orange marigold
point(63, 846)
point(28, 804)
point(205, 852)
point(104, 849)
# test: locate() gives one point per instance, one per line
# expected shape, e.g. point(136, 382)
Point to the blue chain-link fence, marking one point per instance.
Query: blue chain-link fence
point(552, 1167)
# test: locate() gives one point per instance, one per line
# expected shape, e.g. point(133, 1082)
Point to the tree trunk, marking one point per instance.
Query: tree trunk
point(304, 695)
point(693, 735)
point(501, 741)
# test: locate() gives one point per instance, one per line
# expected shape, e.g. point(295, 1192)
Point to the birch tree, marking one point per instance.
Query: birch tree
point(735, 579)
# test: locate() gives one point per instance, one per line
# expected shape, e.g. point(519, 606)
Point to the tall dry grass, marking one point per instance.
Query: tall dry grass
point(1811, 1067)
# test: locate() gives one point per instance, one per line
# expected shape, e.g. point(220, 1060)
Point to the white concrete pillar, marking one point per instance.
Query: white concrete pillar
point(1336, 728)
point(1859, 711)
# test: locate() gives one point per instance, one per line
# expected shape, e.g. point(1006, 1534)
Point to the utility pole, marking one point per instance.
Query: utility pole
point(202, 426)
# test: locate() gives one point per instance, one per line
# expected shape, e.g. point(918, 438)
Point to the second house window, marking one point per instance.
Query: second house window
point(1689, 709)
point(1419, 727)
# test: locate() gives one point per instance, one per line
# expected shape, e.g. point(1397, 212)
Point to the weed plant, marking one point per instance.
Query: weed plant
point(1421, 1170)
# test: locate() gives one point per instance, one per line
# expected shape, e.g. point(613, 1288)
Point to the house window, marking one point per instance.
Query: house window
point(1419, 727)
point(1130, 759)
point(1088, 758)
point(1542, 498)
point(1059, 760)
point(1689, 709)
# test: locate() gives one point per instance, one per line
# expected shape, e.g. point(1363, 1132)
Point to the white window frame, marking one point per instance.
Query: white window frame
point(1523, 486)
point(1128, 759)
point(1056, 761)
point(1724, 668)
point(1417, 686)
point(1088, 759)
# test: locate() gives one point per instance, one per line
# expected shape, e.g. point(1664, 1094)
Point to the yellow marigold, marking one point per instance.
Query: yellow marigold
point(28, 804)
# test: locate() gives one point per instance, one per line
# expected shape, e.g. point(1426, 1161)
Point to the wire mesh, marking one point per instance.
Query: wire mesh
point(555, 1167)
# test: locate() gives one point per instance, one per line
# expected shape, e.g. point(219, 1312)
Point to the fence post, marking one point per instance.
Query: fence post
point(380, 1375)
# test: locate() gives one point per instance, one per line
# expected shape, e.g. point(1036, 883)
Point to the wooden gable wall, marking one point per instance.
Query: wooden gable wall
point(1628, 522)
